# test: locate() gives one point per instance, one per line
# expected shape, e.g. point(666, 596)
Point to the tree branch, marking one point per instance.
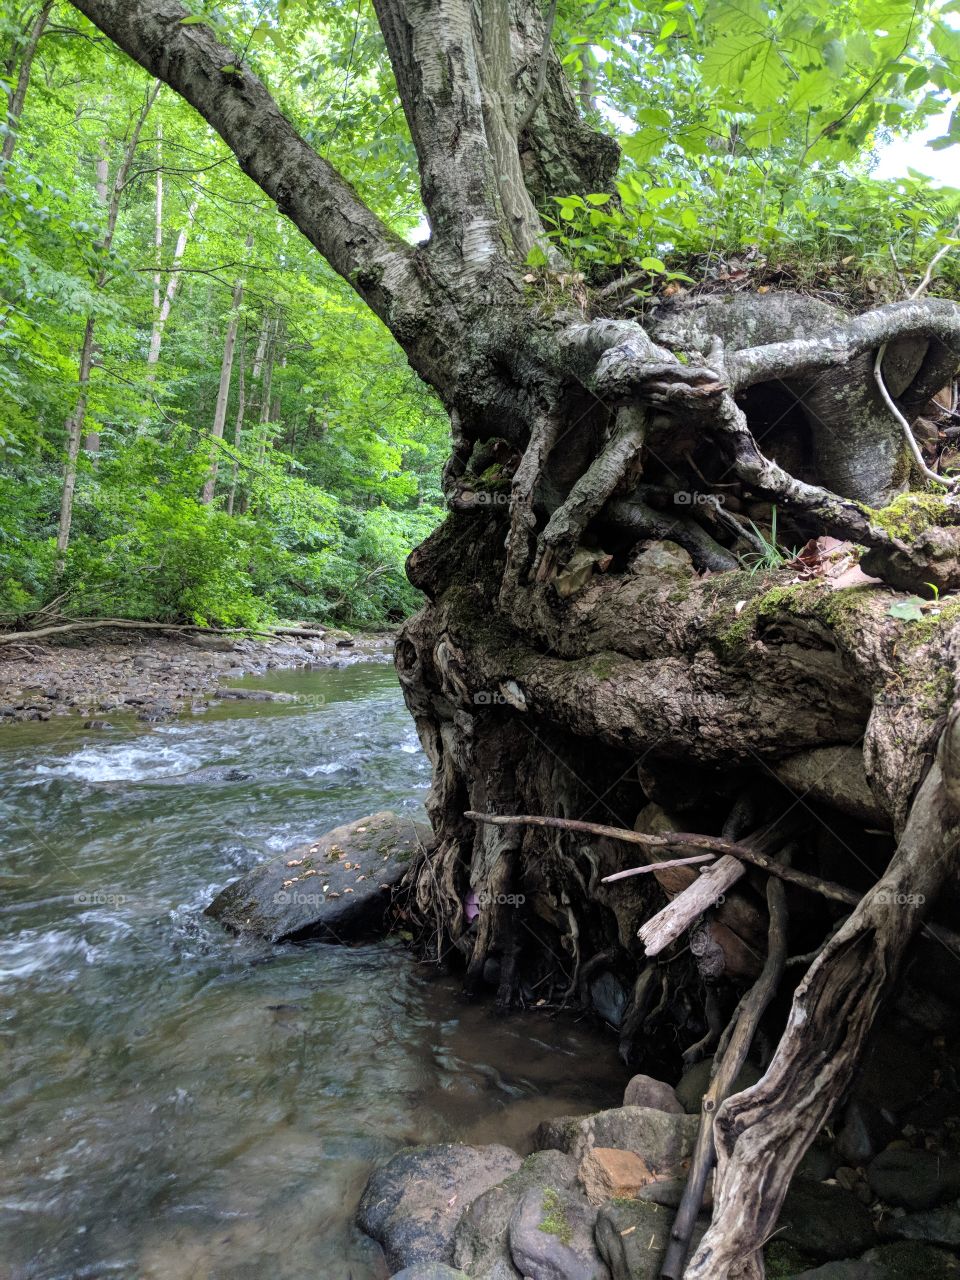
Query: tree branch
point(306, 187)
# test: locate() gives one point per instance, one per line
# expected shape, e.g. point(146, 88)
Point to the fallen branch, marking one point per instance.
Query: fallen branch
point(717, 845)
point(653, 866)
point(678, 915)
point(727, 1067)
point(671, 840)
point(132, 624)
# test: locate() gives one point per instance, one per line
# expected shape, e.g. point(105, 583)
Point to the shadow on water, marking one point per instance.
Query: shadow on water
point(176, 1103)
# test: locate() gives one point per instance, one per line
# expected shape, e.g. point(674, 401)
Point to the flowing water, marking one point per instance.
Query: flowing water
point(178, 1104)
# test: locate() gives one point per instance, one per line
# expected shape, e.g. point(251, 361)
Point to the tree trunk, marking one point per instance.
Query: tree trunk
point(75, 422)
point(237, 430)
point(163, 307)
point(590, 646)
point(19, 94)
point(223, 391)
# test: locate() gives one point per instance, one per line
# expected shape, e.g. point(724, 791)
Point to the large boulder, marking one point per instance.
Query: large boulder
point(481, 1243)
point(430, 1271)
point(632, 1237)
point(551, 1236)
point(413, 1203)
point(824, 1221)
point(903, 1261)
point(664, 1141)
point(914, 1179)
point(334, 890)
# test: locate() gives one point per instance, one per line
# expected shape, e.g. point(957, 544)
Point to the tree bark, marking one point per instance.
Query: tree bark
point(19, 94)
point(223, 391)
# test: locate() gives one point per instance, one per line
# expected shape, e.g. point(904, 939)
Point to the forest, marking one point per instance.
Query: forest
point(596, 352)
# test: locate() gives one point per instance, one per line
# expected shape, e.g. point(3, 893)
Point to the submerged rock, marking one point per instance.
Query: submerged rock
point(413, 1204)
point(332, 890)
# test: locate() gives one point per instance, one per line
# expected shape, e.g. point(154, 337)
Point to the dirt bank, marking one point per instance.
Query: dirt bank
point(154, 675)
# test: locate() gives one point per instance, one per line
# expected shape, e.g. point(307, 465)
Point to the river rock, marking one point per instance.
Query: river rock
point(632, 1238)
point(912, 1179)
point(664, 1141)
point(905, 1260)
point(824, 1221)
point(936, 1226)
point(645, 1091)
point(481, 1242)
point(551, 1237)
point(430, 1271)
point(606, 1173)
point(332, 890)
point(866, 1130)
point(412, 1205)
point(695, 1082)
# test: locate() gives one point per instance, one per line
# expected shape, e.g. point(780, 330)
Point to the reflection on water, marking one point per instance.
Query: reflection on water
point(179, 1105)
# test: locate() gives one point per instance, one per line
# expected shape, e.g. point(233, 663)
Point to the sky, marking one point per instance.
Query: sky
point(913, 153)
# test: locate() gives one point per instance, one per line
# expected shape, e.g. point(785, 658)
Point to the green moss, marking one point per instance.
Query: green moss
point(924, 629)
point(555, 1221)
point(910, 514)
point(782, 1259)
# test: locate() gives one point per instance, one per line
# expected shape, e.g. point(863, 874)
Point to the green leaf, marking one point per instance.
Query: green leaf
point(654, 265)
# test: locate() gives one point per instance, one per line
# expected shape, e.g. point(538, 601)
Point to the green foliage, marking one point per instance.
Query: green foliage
point(330, 471)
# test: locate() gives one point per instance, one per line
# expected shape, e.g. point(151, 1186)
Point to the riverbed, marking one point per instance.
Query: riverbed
point(177, 1103)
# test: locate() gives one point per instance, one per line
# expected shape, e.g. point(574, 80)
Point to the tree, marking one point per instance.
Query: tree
point(555, 669)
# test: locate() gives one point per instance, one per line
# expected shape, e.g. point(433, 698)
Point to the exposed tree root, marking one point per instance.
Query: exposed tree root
point(763, 1132)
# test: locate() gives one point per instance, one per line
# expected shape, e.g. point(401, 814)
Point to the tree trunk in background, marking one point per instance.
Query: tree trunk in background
point(266, 386)
point(223, 391)
point(74, 425)
point(16, 101)
point(19, 95)
point(162, 312)
point(237, 429)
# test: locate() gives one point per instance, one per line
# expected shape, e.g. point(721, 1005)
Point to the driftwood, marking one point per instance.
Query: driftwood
point(678, 915)
point(744, 852)
point(727, 1066)
point(131, 624)
point(763, 1132)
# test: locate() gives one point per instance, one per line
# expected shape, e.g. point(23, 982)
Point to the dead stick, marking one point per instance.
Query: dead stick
point(657, 866)
point(747, 1020)
point(717, 845)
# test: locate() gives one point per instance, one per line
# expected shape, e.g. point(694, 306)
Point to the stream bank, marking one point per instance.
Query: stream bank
point(155, 675)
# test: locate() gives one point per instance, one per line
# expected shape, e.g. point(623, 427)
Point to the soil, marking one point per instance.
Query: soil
point(156, 676)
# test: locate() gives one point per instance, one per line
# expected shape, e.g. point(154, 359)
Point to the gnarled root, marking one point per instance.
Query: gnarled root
point(763, 1132)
